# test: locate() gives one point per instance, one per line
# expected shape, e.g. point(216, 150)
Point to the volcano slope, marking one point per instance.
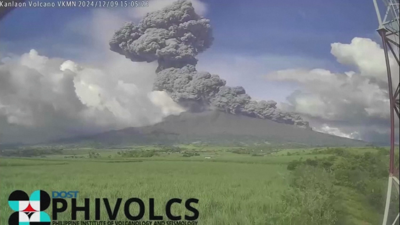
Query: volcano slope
point(214, 128)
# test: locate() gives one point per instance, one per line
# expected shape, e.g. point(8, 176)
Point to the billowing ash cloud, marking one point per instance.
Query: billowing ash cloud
point(173, 37)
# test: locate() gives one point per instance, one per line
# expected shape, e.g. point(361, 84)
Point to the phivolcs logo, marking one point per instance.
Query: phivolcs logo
point(28, 210)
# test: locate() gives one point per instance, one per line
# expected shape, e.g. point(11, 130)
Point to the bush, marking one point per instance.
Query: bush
point(138, 154)
point(293, 164)
point(35, 152)
point(325, 163)
point(375, 190)
point(190, 154)
point(313, 196)
point(365, 173)
point(311, 162)
point(94, 155)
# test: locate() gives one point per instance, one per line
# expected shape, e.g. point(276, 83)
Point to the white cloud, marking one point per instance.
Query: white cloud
point(367, 56)
point(352, 104)
point(54, 96)
point(337, 132)
point(334, 96)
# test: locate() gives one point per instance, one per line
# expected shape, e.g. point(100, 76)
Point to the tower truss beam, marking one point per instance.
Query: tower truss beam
point(389, 31)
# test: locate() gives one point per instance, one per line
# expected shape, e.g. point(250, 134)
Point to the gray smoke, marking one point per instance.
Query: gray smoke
point(174, 36)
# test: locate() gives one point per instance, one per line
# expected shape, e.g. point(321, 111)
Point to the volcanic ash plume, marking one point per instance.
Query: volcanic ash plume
point(174, 36)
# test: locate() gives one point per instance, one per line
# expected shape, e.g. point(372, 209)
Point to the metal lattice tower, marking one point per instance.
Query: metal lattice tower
point(389, 32)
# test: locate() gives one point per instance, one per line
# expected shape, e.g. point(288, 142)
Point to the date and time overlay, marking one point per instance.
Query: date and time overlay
point(75, 4)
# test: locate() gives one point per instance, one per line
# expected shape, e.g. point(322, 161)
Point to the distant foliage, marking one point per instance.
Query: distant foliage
point(138, 154)
point(255, 151)
point(325, 163)
point(74, 157)
point(190, 154)
point(334, 151)
point(293, 153)
point(242, 151)
point(30, 152)
point(170, 149)
point(94, 155)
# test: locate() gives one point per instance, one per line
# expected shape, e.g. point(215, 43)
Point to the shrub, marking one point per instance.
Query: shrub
point(293, 164)
point(365, 173)
point(190, 154)
point(311, 162)
point(314, 196)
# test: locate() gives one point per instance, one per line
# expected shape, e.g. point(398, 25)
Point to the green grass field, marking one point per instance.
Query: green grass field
point(231, 188)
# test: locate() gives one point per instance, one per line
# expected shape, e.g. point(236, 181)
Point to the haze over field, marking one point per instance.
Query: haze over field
point(47, 97)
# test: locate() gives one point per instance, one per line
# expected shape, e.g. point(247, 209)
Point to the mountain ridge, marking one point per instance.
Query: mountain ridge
point(213, 127)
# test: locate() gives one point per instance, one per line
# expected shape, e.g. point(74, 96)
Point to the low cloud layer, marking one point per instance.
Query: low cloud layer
point(354, 104)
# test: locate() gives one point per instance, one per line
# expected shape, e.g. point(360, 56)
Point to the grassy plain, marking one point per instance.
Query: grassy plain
point(231, 188)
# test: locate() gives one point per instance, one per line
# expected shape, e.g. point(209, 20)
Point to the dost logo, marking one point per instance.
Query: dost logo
point(29, 209)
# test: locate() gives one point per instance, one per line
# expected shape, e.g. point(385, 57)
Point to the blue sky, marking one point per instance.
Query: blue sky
point(288, 26)
point(284, 33)
point(250, 27)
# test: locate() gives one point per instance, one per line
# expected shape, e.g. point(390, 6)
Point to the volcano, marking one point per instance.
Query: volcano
point(213, 128)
